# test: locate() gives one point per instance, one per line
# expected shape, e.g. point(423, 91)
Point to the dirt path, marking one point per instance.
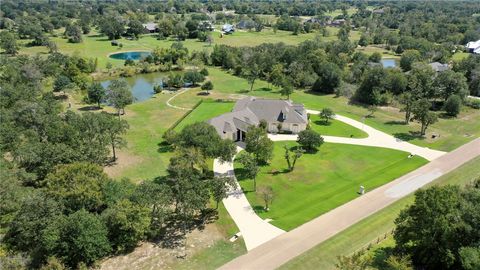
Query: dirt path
point(287, 246)
point(174, 96)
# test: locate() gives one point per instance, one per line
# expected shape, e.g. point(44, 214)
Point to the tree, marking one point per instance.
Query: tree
point(309, 139)
point(119, 95)
point(375, 57)
point(112, 25)
point(170, 136)
point(287, 89)
point(61, 83)
point(79, 238)
point(421, 113)
point(127, 224)
point(96, 94)
point(449, 83)
point(204, 137)
point(408, 58)
point(297, 153)
point(276, 75)
point(372, 86)
point(470, 257)
point(258, 143)
point(207, 86)
point(327, 114)
point(8, 42)
point(266, 194)
point(452, 105)
point(328, 78)
point(252, 73)
point(407, 100)
point(77, 186)
point(35, 214)
point(250, 167)
point(113, 129)
point(220, 187)
point(135, 28)
point(193, 77)
point(436, 226)
point(396, 81)
point(74, 33)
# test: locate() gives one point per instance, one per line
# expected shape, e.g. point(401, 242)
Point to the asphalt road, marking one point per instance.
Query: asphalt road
point(287, 246)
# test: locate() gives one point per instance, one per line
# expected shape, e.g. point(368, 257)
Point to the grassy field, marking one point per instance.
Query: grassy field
point(453, 131)
point(324, 180)
point(324, 256)
point(98, 46)
point(335, 128)
point(207, 109)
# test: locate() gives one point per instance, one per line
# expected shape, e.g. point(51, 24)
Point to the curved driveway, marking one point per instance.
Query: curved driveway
point(257, 231)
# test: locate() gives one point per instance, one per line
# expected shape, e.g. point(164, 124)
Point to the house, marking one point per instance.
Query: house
point(473, 47)
point(280, 115)
point(338, 22)
point(439, 67)
point(379, 11)
point(150, 27)
point(228, 28)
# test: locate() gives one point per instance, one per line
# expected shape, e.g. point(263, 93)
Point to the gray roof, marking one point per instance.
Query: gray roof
point(150, 26)
point(250, 111)
point(439, 67)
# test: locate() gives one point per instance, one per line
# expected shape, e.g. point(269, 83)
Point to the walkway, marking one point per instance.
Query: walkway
point(287, 246)
point(255, 231)
point(174, 96)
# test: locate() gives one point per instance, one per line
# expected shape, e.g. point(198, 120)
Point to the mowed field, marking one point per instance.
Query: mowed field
point(95, 45)
point(323, 180)
point(360, 235)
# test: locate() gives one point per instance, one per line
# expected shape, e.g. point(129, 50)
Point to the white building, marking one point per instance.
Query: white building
point(473, 47)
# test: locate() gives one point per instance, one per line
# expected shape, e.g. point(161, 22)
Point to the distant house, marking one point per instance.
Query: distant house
point(150, 27)
point(439, 67)
point(338, 22)
point(473, 47)
point(379, 11)
point(228, 28)
point(280, 115)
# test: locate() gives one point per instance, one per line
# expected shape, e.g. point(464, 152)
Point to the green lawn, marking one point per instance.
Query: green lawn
point(324, 255)
point(324, 180)
point(453, 131)
point(206, 110)
point(98, 46)
point(335, 128)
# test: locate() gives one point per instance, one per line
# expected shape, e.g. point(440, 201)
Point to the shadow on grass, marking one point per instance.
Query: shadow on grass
point(259, 209)
point(89, 108)
point(203, 93)
point(163, 147)
point(322, 123)
point(392, 123)
point(411, 135)
point(446, 116)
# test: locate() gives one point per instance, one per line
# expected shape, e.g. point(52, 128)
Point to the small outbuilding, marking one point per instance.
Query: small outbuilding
point(439, 67)
point(473, 47)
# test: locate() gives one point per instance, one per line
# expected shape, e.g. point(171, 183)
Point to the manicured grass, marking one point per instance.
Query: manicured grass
point(453, 131)
point(206, 110)
point(95, 45)
point(324, 255)
point(324, 180)
point(335, 128)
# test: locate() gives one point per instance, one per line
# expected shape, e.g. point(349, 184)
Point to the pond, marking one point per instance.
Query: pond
point(130, 55)
point(388, 62)
point(142, 85)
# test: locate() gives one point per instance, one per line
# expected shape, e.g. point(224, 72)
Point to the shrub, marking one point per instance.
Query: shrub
point(473, 102)
point(452, 105)
point(309, 139)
